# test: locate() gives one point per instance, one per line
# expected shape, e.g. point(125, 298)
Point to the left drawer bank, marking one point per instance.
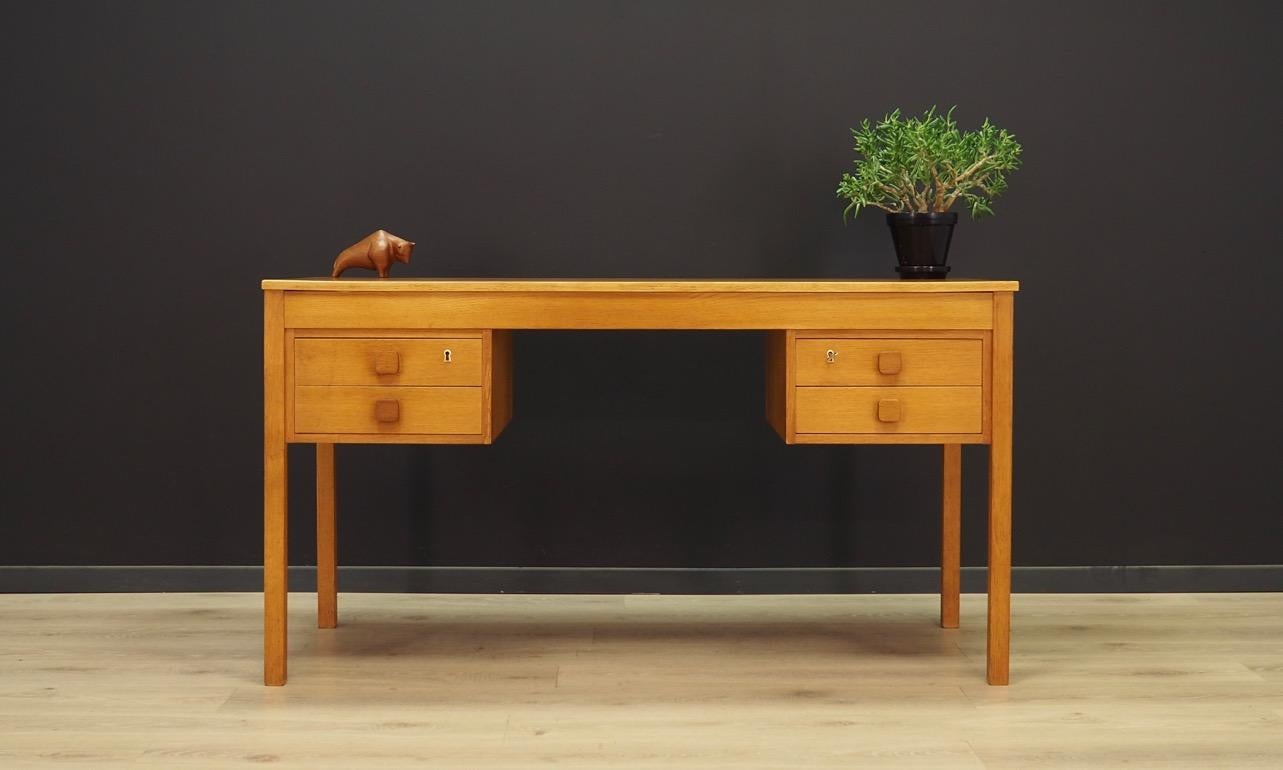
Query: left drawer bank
point(408, 386)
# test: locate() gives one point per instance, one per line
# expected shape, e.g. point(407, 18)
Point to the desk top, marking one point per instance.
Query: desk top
point(643, 286)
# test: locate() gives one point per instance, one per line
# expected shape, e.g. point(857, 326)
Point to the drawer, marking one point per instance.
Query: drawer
point(925, 409)
point(384, 409)
point(388, 361)
point(889, 362)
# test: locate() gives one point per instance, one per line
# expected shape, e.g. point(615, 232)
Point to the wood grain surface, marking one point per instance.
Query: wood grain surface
point(928, 361)
point(320, 361)
point(631, 309)
point(1106, 681)
point(1000, 481)
point(926, 409)
point(275, 492)
point(354, 409)
point(642, 285)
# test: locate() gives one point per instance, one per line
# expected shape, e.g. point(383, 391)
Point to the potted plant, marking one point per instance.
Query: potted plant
point(916, 169)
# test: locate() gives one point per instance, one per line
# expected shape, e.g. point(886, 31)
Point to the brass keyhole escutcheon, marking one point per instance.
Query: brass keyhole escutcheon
point(830, 356)
point(446, 355)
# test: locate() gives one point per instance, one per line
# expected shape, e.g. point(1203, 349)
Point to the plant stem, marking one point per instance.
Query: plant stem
point(958, 179)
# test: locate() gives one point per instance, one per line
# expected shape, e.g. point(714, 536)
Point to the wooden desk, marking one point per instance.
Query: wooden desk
point(408, 361)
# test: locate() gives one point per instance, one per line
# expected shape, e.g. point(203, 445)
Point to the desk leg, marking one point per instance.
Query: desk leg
point(951, 537)
point(999, 640)
point(327, 600)
point(275, 493)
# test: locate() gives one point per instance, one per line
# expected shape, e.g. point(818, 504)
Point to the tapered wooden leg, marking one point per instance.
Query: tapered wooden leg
point(275, 493)
point(951, 537)
point(327, 600)
point(999, 640)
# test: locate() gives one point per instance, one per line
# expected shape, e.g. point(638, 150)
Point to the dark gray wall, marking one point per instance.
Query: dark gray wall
point(161, 158)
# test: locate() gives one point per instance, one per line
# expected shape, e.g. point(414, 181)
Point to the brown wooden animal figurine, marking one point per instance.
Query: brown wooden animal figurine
point(376, 251)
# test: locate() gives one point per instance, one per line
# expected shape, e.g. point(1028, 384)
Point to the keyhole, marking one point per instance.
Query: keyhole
point(446, 355)
point(831, 355)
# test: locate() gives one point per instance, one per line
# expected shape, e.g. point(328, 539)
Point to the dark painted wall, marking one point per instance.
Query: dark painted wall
point(161, 158)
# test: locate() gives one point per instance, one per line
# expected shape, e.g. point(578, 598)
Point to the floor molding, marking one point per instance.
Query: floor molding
point(629, 580)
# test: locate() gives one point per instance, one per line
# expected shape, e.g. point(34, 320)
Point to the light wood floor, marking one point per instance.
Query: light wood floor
point(172, 680)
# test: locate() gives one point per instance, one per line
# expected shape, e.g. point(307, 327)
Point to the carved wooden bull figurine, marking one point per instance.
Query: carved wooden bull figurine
point(376, 251)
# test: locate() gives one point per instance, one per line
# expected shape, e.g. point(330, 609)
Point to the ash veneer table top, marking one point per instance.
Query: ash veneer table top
point(642, 285)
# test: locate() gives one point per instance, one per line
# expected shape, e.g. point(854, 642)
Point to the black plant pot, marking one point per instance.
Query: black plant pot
point(922, 243)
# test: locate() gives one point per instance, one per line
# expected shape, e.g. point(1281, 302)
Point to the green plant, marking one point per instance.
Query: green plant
point(926, 164)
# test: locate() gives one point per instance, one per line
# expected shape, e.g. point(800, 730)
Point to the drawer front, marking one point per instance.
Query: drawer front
point(364, 409)
point(888, 410)
point(321, 361)
point(889, 362)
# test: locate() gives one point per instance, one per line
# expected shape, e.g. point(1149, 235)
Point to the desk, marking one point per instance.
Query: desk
point(410, 361)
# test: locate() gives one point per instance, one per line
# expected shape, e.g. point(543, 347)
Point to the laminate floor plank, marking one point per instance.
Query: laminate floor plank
point(503, 681)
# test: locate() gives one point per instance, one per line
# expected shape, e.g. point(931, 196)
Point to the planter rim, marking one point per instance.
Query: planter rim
point(922, 215)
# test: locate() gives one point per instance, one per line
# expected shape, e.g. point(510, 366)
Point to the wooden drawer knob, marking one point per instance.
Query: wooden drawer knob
point(888, 410)
point(889, 363)
point(387, 411)
point(387, 363)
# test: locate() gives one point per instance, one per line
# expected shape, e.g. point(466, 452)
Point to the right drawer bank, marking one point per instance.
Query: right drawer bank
point(848, 387)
